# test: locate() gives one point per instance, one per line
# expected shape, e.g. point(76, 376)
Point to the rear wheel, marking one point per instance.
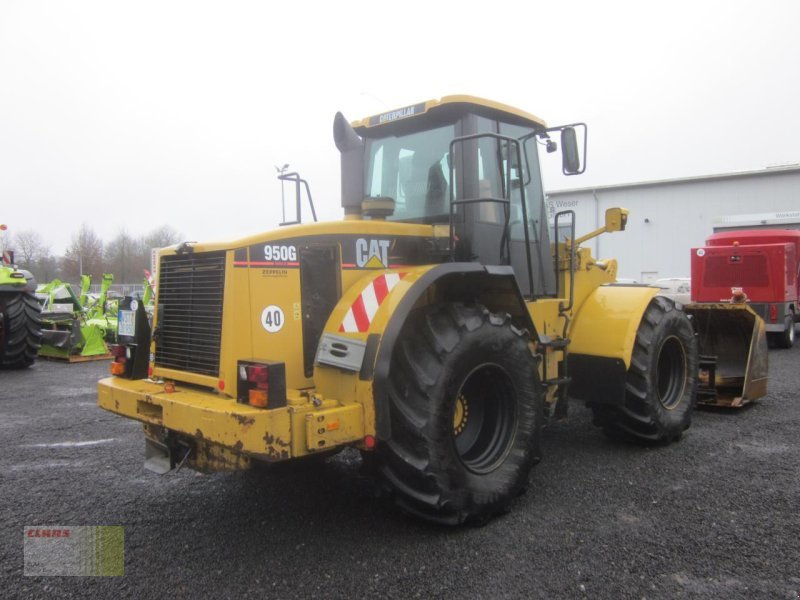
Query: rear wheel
point(784, 339)
point(661, 384)
point(20, 329)
point(465, 410)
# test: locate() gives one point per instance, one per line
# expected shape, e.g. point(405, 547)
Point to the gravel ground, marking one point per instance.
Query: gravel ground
point(713, 516)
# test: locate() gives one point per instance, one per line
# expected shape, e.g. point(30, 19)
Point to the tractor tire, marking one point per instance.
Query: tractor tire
point(661, 383)
point(465, 409)
point(20, 329)
point(783, 339)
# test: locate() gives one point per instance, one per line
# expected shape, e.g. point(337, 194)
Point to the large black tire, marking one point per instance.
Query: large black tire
point(661, 383)
point(465, 409)
point(20, 329)
point(783, 339)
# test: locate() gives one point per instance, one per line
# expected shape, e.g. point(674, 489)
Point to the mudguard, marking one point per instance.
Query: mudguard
point(607, 321)
point(360, 335)
point(602, 336)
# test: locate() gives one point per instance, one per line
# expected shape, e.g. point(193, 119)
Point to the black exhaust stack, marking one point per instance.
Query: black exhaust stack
point(351, 146)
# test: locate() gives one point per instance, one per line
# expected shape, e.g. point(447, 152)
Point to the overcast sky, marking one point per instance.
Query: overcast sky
point(138, 114)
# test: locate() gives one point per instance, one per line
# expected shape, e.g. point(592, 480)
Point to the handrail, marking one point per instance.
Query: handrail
point(295, 177)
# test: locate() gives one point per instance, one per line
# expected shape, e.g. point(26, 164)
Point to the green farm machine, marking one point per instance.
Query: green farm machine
point(75, 327)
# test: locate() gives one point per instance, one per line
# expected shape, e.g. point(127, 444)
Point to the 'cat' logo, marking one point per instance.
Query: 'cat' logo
point(372, 254)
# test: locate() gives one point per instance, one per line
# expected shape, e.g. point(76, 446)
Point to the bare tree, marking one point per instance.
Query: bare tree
point(29, 248)
point(48, 267)
point(162, 237)
point(84, 255)
point(158, 238)
point(120, 258)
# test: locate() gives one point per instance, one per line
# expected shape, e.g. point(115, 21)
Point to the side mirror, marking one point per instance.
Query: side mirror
point(573, 147)
point(570, 159)
point(616, 219)
point(570, 156)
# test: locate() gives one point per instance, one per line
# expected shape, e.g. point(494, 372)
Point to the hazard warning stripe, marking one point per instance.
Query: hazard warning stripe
point(359, 316)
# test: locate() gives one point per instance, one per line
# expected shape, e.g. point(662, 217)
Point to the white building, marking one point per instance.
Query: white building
point(669, 217)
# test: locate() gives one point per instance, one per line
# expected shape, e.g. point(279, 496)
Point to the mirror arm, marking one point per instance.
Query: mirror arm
point(590, 235)
point(616, 220)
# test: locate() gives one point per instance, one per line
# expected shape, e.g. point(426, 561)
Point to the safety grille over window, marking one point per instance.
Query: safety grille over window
point(190, 293)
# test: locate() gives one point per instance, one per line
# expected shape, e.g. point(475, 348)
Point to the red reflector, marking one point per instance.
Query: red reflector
point(117, 350)
point(773, 313)
point(221, 385)
point(369, 441)
point(149, 371)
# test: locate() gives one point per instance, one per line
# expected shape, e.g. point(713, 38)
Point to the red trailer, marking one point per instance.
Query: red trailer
point(758, 266)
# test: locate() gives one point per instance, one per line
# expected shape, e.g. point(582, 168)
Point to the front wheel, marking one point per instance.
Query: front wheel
point(465, 414)
point(661, 383)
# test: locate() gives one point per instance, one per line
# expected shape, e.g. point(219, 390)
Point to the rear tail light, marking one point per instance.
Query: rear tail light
point(773, 313)
point(261, 383)
point(120, 354)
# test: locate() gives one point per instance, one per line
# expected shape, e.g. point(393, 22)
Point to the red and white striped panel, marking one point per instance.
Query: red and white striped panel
point(360, 314)
point(150, 281)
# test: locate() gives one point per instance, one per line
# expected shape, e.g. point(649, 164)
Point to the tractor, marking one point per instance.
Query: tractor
point(436, 328)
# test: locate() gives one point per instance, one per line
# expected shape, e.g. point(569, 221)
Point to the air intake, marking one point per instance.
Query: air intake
point(190, 294)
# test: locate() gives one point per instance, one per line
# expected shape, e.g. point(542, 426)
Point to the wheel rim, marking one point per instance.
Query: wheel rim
point(671, 373)
point(484, 418)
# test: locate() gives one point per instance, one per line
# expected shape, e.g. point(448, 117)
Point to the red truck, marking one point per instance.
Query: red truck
point(758, 266)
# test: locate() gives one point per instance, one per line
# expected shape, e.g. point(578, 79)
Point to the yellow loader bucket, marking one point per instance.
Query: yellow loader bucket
point(732, 344)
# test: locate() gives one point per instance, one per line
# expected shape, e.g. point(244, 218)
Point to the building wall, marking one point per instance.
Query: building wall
point(668, 218)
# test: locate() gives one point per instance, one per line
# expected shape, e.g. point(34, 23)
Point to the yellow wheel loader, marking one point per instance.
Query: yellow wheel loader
point(436, 328)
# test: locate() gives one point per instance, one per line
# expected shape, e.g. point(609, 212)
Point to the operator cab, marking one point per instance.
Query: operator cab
point(463, 161)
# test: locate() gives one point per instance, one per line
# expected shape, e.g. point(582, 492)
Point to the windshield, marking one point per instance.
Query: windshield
point(413, 170)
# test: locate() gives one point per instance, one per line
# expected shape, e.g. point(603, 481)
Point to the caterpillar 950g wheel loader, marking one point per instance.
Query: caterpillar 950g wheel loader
point(436, 328)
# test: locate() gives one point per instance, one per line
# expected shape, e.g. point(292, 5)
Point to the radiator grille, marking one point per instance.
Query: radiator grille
point(750, 271)
point(190, 291)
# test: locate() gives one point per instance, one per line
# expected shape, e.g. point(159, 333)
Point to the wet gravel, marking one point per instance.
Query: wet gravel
point(714, 516)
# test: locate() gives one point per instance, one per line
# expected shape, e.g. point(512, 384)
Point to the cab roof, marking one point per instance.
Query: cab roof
point(456, 103)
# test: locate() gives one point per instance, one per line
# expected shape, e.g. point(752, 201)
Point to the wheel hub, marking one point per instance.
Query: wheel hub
point(460, 414)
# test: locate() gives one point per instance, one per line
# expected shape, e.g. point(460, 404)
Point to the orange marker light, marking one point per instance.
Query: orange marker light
point(117, 368)
point(258, 398)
